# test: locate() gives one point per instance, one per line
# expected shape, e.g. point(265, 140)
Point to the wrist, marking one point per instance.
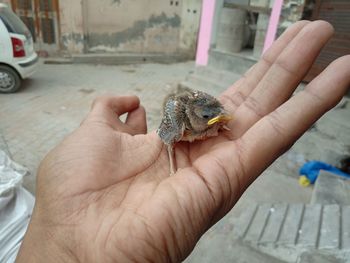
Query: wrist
point(40, 245)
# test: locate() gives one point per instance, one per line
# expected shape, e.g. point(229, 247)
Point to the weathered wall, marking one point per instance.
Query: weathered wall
point(190, 21)
point(72, 26)
point(138, 26)
point(133, 26)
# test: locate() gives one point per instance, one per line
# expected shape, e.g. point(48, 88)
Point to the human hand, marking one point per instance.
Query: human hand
point(105, 195)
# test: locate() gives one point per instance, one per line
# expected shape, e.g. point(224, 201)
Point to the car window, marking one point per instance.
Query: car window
point(12, 22)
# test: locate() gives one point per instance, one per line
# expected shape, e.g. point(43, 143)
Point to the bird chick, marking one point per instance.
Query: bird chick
point(190, 115)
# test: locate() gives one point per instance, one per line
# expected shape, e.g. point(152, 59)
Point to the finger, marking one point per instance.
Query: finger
point(275, 133)
point(236, 94)
point(218, 178)
point(116, 104)
point(107, 110)
point(136, 121)
point(283, 76)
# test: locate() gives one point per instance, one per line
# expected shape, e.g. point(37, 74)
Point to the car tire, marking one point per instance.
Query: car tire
point(10, 81)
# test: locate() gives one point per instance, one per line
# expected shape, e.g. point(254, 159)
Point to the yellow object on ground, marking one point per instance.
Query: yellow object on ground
point(303, 181)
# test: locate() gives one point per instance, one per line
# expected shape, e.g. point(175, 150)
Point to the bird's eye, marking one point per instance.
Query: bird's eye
point(206, 116)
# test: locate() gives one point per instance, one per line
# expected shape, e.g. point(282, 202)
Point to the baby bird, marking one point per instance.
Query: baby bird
point(190, 115)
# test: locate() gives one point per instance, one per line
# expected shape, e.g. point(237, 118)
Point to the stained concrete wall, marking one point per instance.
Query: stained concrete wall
point(71, 26)
point(138, 26)
point(133, 26)
point(190, 21)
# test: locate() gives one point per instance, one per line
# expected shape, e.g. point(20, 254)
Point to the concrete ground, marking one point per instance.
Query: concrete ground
point(56, 99)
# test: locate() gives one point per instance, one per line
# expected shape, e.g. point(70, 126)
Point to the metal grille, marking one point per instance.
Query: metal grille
point(46, 5)
point(48, 30)
point(41, 18)
point(24, 4)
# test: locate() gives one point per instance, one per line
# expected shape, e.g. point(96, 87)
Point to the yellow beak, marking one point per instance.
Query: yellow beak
point(220, 118)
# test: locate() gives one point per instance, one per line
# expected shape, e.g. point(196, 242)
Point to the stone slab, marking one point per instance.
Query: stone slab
point(330, 228)
point(290, 228)
point(309, 230)
point(258, 224)
point(230, 61)
point(274, 224)
point(287, 230)
point(345, 227)
point(331, 189)
point(316, 257)
point(128, 59)
point(244, 221)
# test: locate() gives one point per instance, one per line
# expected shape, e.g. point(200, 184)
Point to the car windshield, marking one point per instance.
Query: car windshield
point(12, 22)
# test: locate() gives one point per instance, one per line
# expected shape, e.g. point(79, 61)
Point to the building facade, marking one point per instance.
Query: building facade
point(77, 27)
point(242, 29)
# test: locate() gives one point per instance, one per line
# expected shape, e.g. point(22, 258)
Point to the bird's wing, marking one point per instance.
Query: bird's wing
point(172, 127)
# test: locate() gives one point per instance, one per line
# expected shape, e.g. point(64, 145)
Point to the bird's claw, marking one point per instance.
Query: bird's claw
point(172, 162)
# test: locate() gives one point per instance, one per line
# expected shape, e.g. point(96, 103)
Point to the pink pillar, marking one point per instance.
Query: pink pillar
point(273, 24)
point(208, 10)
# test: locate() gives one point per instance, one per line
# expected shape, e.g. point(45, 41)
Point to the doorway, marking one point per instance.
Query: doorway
point(42, 19)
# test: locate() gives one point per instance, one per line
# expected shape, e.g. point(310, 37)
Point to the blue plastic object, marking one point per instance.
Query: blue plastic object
point(310, 171)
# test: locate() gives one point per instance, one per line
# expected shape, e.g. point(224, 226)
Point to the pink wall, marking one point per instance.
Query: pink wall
point(205, 30)
point(273, 24)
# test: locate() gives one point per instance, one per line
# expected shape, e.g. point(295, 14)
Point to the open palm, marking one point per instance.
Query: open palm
point(105, 195)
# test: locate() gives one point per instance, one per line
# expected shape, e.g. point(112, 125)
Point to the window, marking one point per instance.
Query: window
point(12, 22)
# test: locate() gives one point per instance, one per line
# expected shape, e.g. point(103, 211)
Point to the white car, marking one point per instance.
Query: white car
point(18, 60)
